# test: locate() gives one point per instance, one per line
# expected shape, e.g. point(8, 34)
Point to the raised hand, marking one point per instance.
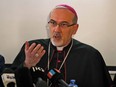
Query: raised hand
point(33, 53)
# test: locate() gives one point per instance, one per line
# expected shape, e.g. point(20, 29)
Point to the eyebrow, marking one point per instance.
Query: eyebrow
point(60, 22)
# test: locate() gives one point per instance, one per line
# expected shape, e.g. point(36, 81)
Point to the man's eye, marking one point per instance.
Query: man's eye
point(52, 22)
point(64, 24)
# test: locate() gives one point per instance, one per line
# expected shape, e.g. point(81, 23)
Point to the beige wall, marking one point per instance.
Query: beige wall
point(22, 20)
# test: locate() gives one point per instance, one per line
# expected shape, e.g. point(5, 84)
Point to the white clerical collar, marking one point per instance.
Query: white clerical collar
point(58, 48)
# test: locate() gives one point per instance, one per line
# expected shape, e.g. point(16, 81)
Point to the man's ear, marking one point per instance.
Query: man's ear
point(75, 28)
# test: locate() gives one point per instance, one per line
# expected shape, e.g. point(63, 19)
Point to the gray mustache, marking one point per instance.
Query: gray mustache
point(57, 34)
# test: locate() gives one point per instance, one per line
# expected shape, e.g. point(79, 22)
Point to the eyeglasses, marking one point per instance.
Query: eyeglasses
point(63, 24)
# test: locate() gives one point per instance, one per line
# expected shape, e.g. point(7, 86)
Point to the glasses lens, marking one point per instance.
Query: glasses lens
point(52, 23)
point(63, 25)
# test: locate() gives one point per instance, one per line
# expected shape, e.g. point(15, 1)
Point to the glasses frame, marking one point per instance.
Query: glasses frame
point(60, 24)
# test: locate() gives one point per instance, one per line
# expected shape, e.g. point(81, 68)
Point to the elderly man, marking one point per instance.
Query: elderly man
point(74, 59)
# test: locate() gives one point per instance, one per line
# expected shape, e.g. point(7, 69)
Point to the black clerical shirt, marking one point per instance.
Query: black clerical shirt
point(84, 64)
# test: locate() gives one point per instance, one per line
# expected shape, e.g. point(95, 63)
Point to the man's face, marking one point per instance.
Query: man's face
point(61, 27)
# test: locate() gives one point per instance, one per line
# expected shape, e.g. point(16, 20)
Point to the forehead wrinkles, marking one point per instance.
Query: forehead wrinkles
point(61, 14)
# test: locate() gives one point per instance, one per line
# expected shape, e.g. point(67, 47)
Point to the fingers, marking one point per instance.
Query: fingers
point(35, 49)
point(26, 45)
point(41, 53)
point(31, 48)
point(38, 51)
point(33, 53)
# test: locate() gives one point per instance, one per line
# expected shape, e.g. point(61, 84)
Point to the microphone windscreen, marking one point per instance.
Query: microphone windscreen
point(23, 77)
point(54, 75)
point(8, 77)
point(56, 78)
point(37, 72)
point(41, 83)
point(12, 84)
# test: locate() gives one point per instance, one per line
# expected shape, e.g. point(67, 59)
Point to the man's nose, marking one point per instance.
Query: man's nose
point(57, 28)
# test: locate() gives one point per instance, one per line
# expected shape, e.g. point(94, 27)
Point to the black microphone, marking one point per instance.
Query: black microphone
point(23, 77)
point(32, 77)
point(41, 83)
point(37, 72)
point(8, 78)
point(56, 78)
point(38, 76)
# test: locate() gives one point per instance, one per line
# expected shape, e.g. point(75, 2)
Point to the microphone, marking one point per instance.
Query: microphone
point(30, 77)
point(37, 72)
point(23, 77)
point(41, 83)
point(56, 78)
point(8, 78)
point(38, 76)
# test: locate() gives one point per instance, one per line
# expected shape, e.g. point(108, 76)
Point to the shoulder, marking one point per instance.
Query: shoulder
point(88, 53)
point(81, 45)
point(85, 48)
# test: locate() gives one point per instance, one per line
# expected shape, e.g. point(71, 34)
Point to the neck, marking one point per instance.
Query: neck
point(60, 48)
